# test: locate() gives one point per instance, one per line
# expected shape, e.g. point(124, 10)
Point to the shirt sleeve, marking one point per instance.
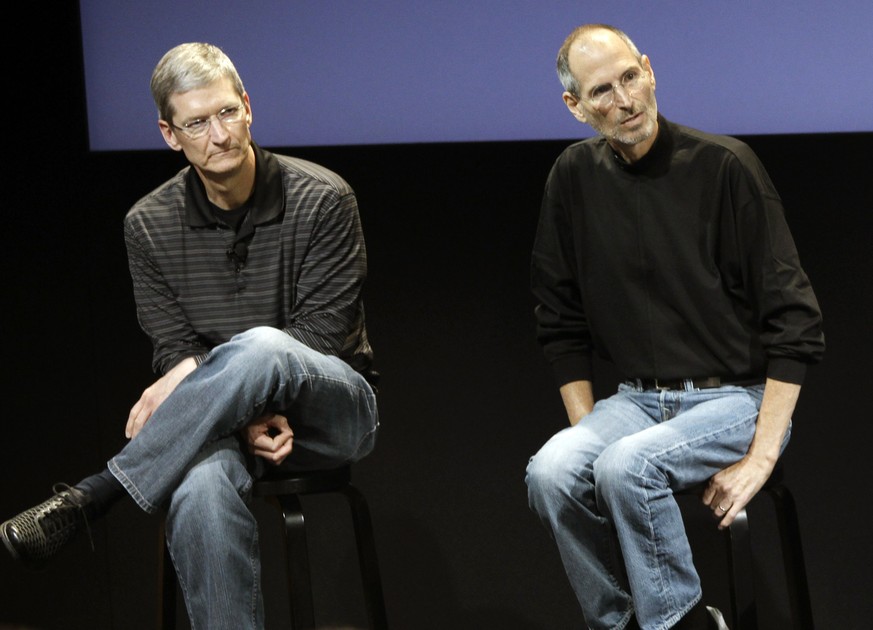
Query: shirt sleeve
point(788, 313)
point(327, 314)
point(158, 312)
point(561, 324)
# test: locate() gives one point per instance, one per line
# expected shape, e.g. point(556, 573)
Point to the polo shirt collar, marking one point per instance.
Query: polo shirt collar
point(268, 198)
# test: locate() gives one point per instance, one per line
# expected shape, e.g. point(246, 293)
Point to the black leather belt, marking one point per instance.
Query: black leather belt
point(696, 383)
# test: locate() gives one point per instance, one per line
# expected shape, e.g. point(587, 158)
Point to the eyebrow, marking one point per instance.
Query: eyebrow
point(202, 116)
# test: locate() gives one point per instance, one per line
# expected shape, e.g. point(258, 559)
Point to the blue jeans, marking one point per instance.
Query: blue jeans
point(188, 460)
point(604, 490)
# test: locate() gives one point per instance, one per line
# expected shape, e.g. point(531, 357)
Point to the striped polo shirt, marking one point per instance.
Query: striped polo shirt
point(300, 268)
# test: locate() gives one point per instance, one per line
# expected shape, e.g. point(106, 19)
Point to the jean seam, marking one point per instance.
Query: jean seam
point(131, 488)
point(254, 551)
point(655, 539)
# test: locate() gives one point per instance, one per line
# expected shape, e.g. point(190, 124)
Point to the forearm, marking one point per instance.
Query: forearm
point(774, 417)
point(730, 490)
point(578, 397)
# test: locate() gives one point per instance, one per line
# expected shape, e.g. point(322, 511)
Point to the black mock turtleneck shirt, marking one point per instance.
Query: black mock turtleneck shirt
point(680, 265)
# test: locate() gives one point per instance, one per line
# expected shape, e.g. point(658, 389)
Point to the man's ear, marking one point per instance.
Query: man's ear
point(574, 106)
point(647, 66)
point(248, 105)
point(169, 135)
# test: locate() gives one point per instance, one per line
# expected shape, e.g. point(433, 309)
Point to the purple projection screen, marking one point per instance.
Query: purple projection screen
point(344, 72)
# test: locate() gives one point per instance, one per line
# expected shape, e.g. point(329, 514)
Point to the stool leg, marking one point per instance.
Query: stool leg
point(741, 573)
point(297, 563)
point(367, 559)
point(792, 557)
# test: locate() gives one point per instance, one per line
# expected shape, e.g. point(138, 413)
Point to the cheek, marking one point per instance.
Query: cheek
point(601, 119)
point(193, 153)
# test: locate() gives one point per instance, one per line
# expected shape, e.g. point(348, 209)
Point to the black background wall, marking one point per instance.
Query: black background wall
point(466, 398)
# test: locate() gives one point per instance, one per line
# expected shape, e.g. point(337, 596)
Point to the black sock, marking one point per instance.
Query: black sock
point(695, 619)
point(103, 489)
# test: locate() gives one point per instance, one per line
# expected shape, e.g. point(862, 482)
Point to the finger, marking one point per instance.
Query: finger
point(283, 452)
point(721, 509)
point(137, 424)
point(131, 418)
point(265, 443)
point(710, 492)
point(270, 443)
point(133, 425)
point(275, 457)
point(281, 422)
point(728, 518)
point(282, 438)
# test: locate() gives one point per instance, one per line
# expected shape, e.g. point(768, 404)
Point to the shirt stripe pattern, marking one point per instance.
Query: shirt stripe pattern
point(304, 271)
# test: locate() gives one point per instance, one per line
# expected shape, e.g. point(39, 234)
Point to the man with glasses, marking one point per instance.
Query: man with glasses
point(663, 250)
point(247, 271)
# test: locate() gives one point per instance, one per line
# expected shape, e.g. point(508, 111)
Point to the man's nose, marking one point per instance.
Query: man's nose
point(218, 130)
point(621, 96)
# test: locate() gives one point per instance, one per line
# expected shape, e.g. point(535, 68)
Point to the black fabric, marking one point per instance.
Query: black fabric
point(695, 619)
point(103, 490)
point(680, 265)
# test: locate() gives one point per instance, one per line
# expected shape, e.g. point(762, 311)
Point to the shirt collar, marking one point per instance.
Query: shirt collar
point(268, 198)
point(657, 160)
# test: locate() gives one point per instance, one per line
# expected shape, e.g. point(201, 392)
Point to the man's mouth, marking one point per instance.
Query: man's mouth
point(631, 119)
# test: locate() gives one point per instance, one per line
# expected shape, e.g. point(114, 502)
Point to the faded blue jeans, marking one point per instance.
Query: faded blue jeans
point(188, 460)
point(604, 490)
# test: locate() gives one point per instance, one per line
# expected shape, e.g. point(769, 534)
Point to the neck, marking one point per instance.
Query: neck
point(631, 153)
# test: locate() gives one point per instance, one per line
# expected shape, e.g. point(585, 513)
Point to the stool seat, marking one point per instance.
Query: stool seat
point(740, 558)
point(283, 489)
point(277, 482)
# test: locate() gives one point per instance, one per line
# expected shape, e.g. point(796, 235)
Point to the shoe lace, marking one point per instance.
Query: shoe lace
point(65, 493)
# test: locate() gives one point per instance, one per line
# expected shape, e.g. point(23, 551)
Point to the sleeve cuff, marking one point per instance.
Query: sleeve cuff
point(786, 370)
point(572, 368)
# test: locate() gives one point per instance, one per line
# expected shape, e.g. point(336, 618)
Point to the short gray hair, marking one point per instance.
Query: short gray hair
point(188, 67)
point(566, 77)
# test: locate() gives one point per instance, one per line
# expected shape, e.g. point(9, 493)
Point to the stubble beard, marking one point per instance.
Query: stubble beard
point(630, 138)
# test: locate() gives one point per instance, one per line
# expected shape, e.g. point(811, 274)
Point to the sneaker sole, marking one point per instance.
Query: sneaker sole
point(8, 543)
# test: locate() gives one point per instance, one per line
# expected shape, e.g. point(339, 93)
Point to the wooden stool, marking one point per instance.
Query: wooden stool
point(740, 563)
point(284, 489)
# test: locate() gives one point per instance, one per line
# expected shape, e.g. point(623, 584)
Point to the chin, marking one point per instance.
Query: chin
point(636, 136)
point(225, 161)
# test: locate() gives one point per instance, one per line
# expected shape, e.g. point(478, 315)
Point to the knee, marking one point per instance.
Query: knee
point(262, 348)
point(618, 467)
point(552, 475)
point(261, 340)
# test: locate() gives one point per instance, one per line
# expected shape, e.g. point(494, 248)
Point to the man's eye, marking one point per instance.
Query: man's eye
point(629, 76)
point(600, 91)
point(193, 125)
point(228, 112)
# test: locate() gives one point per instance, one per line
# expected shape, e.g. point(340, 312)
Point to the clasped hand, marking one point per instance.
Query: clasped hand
point(270, 437)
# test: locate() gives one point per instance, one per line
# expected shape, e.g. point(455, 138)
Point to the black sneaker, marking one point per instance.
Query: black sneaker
point(39, 533)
